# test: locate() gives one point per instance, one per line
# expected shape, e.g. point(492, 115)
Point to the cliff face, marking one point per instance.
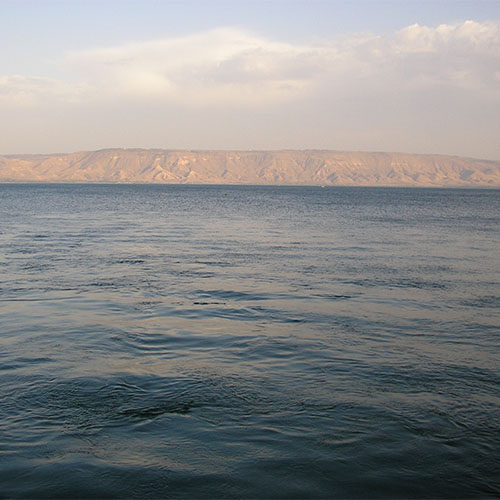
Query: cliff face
point(251, 167)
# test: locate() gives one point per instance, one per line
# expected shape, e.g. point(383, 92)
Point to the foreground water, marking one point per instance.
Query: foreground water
point(257, 342)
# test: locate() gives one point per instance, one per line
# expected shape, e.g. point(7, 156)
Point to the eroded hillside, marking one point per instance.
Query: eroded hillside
point(251, 167)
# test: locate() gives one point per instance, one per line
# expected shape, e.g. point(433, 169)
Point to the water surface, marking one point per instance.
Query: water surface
point(256, 342)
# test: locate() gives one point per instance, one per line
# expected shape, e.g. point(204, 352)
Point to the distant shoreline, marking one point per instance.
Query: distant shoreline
point(277, 168)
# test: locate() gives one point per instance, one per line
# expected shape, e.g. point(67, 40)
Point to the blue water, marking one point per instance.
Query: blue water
point(249, 342)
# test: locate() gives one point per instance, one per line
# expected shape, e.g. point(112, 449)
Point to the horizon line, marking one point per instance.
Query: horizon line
point(224, 150)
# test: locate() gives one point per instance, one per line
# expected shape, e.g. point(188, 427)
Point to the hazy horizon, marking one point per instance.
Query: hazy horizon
point(413, 77)
point(226, 150)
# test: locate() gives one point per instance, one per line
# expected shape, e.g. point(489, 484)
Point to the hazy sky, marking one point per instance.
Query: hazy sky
point(415, 76)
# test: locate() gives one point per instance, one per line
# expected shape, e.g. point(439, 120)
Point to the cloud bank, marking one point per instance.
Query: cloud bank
point(421, 89)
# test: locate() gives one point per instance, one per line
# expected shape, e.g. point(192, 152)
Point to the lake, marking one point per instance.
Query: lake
point(249, 342)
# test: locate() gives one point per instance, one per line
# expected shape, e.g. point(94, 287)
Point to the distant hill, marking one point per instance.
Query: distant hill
point(329, 168)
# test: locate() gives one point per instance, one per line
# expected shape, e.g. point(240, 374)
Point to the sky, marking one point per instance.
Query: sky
point(409, 76)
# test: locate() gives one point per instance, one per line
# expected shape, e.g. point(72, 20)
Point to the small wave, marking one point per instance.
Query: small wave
point(485, 301)
point(398, 283)
point(130, 261)
point(230, 295)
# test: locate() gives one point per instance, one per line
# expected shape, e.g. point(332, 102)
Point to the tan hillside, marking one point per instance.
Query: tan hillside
point(251, 167)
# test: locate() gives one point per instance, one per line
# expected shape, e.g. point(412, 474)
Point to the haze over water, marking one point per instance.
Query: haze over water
point(257, 342)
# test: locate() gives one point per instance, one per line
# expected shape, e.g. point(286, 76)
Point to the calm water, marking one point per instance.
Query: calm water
point(256, 342)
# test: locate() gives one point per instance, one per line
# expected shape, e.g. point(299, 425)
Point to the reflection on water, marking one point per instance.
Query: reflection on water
point(201, 342)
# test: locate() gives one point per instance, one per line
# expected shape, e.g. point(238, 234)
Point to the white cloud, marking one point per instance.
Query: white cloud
point(220, 66)
point(232, 67)
point(416, 75)
point(19, 90)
